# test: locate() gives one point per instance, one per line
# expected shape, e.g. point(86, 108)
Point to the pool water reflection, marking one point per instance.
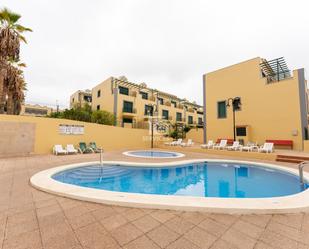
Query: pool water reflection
point(198, 179)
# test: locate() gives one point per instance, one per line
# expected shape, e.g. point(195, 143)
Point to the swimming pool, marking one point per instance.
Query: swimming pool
point(202, 179)
point(153, 154)
point(212, 185)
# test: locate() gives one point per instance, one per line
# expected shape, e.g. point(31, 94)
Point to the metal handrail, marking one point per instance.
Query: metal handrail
point(101, 156)
point(301, 171)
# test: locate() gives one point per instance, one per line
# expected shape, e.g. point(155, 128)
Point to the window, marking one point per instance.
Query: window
point(221, 109)
point(200, 121)
point(73, 100)
point(87, 98)
point(165, 114)
point(127, 120)
point(128, 106)
point(144, 95)
point(241, 131)
point(123, 90)
point(148, 110)
point(160, 100)
point(174, 103)
point(99, 93)
point(178, 116)
point(98, 107)
point(190, 120)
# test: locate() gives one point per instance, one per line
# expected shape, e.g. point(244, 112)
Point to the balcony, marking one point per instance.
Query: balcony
point(190, 110)
point(179, 106)
point(151, 98)
point(180, 120)
point(167, 103)
point(128, 112)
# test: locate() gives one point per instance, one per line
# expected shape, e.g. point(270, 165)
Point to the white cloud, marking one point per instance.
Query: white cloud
point(168, 44)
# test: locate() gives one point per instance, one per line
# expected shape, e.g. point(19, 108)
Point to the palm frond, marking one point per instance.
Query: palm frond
point(22, 29)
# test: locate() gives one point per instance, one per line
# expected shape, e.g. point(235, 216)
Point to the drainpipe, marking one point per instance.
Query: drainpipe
point(115, 91)
point(204, 110)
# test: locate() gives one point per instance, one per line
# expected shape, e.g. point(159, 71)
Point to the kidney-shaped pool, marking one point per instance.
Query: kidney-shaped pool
point(214, 185)
point(204, 179)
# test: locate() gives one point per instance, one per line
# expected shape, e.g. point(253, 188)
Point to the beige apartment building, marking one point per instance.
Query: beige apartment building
point(35, 110)
point(274, 103)
point(132, 104)
point(79, 98)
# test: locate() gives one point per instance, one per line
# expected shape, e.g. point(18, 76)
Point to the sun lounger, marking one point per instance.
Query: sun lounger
point(209, 145)
point(222, 145)
point(249, 147)
point(94, 147)
point(188, 143)
point(178, 142)
point(57, 149)
point(235, 146)
point(267, 148)
point(70, 149)
point(84, 149)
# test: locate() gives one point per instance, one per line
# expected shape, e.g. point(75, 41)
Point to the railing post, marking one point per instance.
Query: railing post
point(101, 156)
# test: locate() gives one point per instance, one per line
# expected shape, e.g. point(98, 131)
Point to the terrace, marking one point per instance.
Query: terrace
point(34, 219)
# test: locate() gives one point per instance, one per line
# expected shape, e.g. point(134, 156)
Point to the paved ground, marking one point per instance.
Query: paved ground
point(33, 219)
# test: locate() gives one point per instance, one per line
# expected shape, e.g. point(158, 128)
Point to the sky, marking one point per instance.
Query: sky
point(168, 44)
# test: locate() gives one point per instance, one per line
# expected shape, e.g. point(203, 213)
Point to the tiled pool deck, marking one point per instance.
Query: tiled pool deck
point(33, 219)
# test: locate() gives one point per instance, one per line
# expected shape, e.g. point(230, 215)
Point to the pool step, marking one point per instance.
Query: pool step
point(291, 159)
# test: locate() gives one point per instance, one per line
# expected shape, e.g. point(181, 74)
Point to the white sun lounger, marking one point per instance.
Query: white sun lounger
point(235, 146)
point(189, 143)
point(222, 144)
point(249, 147)
point(178, 142)
point(57, 149)
point(209, 145)
point(71, 149)
point(267, 148)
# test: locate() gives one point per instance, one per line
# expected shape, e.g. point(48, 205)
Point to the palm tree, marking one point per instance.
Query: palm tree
point(10, 36)
point(16, 87)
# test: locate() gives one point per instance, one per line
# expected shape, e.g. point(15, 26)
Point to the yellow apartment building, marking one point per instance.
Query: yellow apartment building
point(79, 98)
point(35, 110)
point(273, 100)
point(132, 104)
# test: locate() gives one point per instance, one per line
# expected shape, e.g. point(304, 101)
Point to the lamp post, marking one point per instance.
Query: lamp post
point(151, 113)
point(236, 103)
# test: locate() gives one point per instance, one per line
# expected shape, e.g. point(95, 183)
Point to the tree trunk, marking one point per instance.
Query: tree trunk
point(10, 104)
point(2, 94)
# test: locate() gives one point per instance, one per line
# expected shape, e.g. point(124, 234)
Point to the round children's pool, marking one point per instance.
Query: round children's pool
point(153, 154)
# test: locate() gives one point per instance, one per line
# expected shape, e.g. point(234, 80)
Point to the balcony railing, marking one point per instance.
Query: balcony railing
point(129, 110)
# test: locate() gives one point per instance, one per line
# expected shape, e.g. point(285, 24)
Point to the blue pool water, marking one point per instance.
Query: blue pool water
point(198, 179)
point(154, 154)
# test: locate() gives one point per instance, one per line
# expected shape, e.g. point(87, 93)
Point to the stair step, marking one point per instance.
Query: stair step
point(303, 158)
point(289, 160)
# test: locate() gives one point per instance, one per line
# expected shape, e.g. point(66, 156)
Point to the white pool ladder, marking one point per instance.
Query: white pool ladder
point(301, 171)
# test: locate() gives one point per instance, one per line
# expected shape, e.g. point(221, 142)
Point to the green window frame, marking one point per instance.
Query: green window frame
point(200, 121)
point(190, 120)
point(221, 107)
point(123, 90)
point(148, 108)
point(178, 116)
point(165, 114)
point(144, 95)
point(128, 106)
